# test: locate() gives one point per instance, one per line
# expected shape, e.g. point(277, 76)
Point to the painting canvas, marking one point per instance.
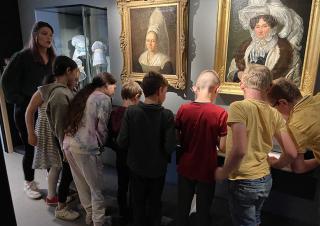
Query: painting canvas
point(278, 34)
point(153, 39)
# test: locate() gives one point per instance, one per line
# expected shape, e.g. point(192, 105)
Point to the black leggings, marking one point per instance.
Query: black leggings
point(19, 119)
point(66, 179)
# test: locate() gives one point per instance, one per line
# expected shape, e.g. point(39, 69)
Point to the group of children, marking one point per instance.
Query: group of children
point(72, 128)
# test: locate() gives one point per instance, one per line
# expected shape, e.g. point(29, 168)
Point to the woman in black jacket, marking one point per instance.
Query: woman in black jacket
point(20, 80)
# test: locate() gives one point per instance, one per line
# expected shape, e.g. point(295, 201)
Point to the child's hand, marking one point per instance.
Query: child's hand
point(220, 174)
point(272, 161)
point(32, 139)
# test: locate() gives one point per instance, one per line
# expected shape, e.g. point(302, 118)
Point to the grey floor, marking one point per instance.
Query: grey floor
point(36, 213)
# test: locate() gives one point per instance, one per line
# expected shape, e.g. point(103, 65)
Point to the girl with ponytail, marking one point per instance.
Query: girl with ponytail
point(57, 97)
point(47, 152)
point(86, 132)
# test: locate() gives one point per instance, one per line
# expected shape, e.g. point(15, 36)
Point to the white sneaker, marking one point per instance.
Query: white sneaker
point(66, 214)
point(32, 190)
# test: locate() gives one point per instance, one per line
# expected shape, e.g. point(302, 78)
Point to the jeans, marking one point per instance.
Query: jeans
point(246, 198)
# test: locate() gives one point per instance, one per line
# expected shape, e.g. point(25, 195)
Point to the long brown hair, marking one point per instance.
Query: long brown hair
point(78, 103)
point(33, 46)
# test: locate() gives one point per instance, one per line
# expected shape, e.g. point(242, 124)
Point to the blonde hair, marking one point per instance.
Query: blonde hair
point(130, 89)
point(258, 77)
point(207, 79)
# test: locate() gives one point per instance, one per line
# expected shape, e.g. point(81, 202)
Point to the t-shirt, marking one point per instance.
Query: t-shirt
point(304, 125)
point(200, 125)
point(262, 122)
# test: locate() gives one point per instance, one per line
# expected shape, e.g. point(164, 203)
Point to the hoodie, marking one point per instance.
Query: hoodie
point(148, 133)
point(58, 96)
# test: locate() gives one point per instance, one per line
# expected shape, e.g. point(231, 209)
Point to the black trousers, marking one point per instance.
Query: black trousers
point(146, 199)
point(66, 178)
point(205, 193)
point(19, 119)
point(65, 181)
point(123, 172)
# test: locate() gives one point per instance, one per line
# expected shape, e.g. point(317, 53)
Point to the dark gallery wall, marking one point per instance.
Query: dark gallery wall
point(10, 42)
point(10, 39)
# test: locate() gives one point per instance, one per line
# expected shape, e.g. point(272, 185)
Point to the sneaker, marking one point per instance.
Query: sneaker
point(66, 214)
point(53, 201)
point(31, 189)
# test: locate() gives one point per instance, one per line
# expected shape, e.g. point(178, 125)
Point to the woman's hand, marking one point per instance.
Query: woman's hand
point(32, 139)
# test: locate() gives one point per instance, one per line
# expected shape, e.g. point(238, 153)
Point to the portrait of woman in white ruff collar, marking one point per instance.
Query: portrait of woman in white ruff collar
point(268, 32)
point(153, 37)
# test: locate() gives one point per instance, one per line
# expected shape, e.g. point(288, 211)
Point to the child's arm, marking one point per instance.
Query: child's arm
point(289, 150)
point(300, 165)
point(222, 144)
point(238, 151)
point(34, 104)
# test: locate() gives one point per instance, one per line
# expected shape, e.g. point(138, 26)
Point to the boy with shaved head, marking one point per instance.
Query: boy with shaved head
point(200, 124)
point(251, 125)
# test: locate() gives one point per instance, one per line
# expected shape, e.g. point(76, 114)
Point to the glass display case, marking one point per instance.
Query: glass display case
point(80, 32)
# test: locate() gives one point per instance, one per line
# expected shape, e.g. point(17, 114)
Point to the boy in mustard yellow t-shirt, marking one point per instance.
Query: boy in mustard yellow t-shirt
point(252, 124)
point(302, 120)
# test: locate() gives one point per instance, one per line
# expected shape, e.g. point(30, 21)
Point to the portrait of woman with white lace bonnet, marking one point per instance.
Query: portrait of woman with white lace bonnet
point(276, 32)
point(157, 42)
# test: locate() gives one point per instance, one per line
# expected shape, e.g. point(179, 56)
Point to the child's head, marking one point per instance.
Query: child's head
point(154, 84)
point(257, 77)
point(65, 66)
point(283, 95)
point(131, 90)
point(103, 82)
point(283, 88)
point(207, 82)
point(108, 80)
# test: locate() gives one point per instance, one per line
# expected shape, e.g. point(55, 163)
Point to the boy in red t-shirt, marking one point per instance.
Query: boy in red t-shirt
point(130, 93)
point(201, 127)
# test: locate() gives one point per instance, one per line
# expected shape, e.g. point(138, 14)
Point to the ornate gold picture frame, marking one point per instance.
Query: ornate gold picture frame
point(153, 37)
point(298, 25)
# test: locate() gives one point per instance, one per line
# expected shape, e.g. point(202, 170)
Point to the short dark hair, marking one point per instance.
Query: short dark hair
point(130, 89)
point(283, 88)
point(270, 20)
point(151, 83)
point(107, 78)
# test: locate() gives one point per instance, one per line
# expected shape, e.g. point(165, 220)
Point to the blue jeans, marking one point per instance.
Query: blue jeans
point(246, 198)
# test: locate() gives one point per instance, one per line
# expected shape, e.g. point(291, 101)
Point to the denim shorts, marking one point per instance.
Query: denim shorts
point(246, 198)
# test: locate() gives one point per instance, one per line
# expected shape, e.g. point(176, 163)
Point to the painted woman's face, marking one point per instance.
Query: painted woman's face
point(44, 37)
point(262, 29)
point(152, 42)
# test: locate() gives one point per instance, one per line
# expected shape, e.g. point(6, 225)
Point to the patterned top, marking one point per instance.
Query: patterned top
point(92, 132)
point(47, 150)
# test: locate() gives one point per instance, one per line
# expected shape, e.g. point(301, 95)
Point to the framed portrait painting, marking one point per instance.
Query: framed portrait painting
point(153, 38)
point(283, 35)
